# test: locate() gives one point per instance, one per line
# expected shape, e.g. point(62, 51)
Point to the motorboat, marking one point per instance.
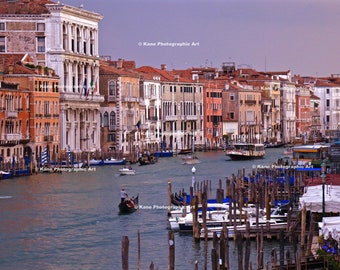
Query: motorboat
point(217, 213)
point(242, 151)
point(127, 171)
point(255, 225)
point(113, 161)
point(190, 159)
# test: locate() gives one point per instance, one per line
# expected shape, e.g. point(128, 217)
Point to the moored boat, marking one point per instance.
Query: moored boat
point(312, 155)
point(163, 153)
point(185, 151)
point(129, 205)
point(242, 151)
point(255, 225)
point(113, 161)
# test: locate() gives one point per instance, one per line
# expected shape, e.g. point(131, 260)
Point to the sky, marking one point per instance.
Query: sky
point(267, 35)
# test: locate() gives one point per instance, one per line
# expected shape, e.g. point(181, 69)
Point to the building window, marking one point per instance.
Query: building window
point(106, 119)
point(41, 44)
point(112, 88)
point(41, 27)
point(111, 137)
point(2, 44)
point(112, 119)
point(2, 26)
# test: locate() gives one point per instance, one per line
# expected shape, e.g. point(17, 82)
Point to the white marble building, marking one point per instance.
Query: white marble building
point(72, 51)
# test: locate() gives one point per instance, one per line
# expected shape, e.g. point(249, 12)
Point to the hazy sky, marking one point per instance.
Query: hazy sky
point(274, 35)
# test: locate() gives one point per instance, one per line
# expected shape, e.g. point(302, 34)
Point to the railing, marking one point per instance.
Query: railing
point(11, 114)
point(48, 138)
point(171, 118)
point(11, 137)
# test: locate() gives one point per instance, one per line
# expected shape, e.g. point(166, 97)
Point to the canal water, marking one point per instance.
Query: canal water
point(71, 221)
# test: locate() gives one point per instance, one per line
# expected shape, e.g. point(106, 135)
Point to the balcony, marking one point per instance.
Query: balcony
point(112, 127)
point(68, 96)
point(153, 118)
point(11, 137)
point(171, 118)
point(11, 114)
point(250, 102)
point(111, 99)
point(189, 117)
point(48, 138)
point(130, 99)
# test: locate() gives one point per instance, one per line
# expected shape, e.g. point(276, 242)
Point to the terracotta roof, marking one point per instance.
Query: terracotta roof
point(106, 69)
point(14, 60)
point(325, 83)
point(24, 7)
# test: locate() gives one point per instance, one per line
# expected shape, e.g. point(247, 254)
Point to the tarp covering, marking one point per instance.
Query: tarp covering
point(330, 227)
point(312, 198)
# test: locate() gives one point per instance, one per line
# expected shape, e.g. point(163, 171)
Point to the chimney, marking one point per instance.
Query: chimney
point(120, 63)
point(163, 66)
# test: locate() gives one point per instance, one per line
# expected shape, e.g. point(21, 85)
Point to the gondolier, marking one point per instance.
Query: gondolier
point(123, 195)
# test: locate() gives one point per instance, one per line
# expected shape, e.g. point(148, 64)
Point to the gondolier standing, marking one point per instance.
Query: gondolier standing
point(123, 195)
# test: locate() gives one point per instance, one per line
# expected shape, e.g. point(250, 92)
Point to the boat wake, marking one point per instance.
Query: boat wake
point(5, 197)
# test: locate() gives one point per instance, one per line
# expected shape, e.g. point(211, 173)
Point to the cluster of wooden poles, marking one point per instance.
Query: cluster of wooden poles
point(263, 188)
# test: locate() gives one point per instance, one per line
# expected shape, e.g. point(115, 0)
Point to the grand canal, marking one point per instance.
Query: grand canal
point(71, 220)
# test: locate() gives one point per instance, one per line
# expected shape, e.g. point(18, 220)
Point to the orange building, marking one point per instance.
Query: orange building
point(42, 103)
point(212, 100)
point(14, 114)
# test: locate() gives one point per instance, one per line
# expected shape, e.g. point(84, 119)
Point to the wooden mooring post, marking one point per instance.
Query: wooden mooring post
point(125, 253)
point(171, 240)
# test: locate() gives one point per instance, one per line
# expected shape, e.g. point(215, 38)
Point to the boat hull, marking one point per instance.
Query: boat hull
point(164, 154)
point(243, 157)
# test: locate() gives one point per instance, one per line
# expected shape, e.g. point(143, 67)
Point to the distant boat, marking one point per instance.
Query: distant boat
point(147, 159)
point(168, 153)
point(127, 171)
point(190, 159)
point(6, 175)
point(108, 161)
point(129, 205)
point(185, 151)
point(113, 161)
point(288, 151)
point(242, 151)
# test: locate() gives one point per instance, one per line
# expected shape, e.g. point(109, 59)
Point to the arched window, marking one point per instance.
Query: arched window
point(112, 88)
point(106, 119)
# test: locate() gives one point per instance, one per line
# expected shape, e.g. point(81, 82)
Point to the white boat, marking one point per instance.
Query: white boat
point(272, 225)
point(241, 151)
point(216, 215)
point(113, 161)
point(190, 159)
point(127, 171)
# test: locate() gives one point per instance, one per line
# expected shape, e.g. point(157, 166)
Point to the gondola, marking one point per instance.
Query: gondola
point(129, 205)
